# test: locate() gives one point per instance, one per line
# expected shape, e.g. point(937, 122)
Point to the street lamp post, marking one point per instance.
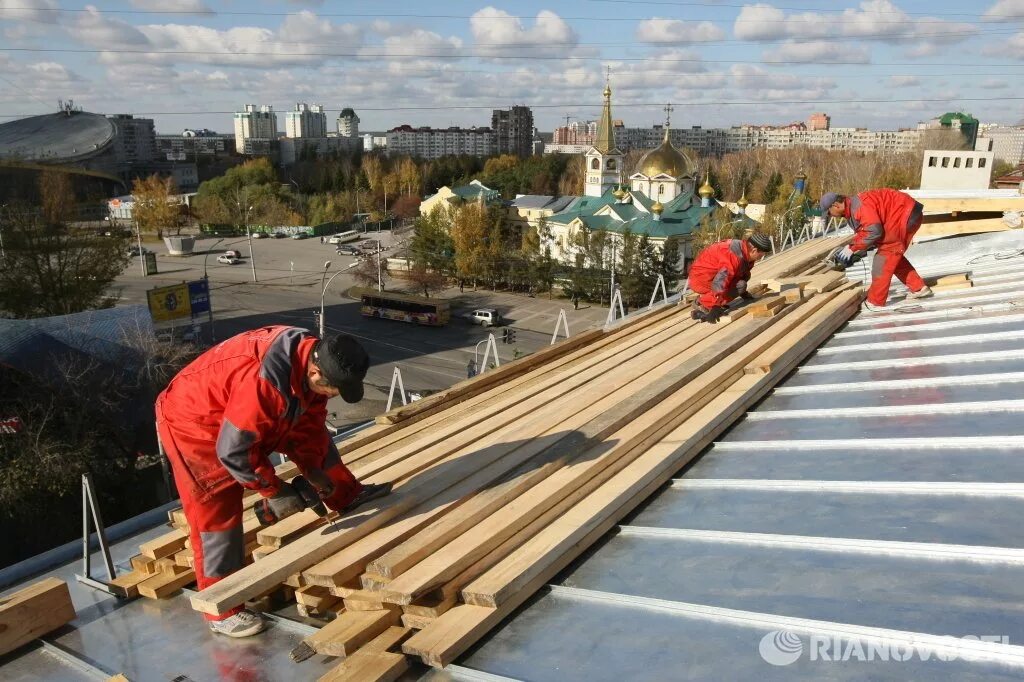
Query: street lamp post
point(323, 295)
point(208, 250)
point(142, 260)
point(3, 253)
point(252, 255)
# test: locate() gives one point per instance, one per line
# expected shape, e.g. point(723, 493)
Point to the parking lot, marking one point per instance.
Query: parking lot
point(288, 291)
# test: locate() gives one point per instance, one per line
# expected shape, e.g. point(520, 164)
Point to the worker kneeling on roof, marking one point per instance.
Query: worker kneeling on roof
point(883, 219)
point(221, 417)
point(720, 273)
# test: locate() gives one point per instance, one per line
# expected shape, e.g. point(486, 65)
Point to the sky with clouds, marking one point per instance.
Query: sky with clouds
point(882, 64)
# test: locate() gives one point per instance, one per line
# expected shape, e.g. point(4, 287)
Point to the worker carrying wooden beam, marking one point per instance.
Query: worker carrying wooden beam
point(882, 219)
point(222, 416)
point(721, 271)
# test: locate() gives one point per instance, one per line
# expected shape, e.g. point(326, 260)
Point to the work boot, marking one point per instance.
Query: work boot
point(872, 308)
point(923, 292)
point(370, 491)
point(243, 624)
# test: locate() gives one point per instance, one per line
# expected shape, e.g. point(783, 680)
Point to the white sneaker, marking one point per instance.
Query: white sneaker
point(922, 293)
point(872, 308)
point(242, 624)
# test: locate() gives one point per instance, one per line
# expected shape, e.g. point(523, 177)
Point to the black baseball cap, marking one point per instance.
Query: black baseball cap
point(343, 363)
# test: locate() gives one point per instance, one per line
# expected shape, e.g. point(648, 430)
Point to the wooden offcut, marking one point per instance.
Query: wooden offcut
point(33, 611)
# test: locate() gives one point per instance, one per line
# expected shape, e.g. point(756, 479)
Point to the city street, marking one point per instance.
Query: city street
point(289, 274)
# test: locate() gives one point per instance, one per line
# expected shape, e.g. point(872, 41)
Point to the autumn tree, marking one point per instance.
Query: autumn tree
point(469, 234)
point(155, 208)
point(371, 271)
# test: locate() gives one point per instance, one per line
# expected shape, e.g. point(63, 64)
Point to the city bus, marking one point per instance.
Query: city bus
point(434, 312)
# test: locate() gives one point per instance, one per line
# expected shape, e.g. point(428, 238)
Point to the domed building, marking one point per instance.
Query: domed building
point(661, 200)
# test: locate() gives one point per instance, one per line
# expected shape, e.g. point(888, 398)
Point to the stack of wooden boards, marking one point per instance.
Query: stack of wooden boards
point(503, 480)
point(947, 217)
point(33, 611)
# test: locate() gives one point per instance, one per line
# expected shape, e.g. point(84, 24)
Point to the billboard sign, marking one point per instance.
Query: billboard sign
point(149, 260)
point(170, 303)
point(199, 296)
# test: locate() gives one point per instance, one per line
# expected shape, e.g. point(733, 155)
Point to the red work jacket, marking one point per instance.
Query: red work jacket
point(880, 219)
point(717, 269)
point(243, 399)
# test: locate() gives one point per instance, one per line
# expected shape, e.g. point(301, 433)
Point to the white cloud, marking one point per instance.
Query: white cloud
point(178, 6)
point(101, 31)
point(658, 30)
point(818, 52)
point(1005, 9)
point(1013, 48)
point(874, 20)
point(754, 77)
point(418, 43)
point(497, 34)
point(994, 84)
point(29, 10)
point(903, 81)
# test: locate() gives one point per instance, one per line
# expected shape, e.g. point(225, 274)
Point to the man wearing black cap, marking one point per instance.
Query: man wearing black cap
point(221, 417)
point(720, 273)
point(886, 220)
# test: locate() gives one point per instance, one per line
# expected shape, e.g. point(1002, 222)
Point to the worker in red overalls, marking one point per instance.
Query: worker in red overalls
point(720, 273)
point(221, 417)
point(886, 220)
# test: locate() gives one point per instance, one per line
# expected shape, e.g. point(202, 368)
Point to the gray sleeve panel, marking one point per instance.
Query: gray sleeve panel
point(233, 446)
point(872, 235)
point(333, 456)
point(223, 551)
point(718, 283)
point(736, 246)
point(877, 264)
point(277, 362)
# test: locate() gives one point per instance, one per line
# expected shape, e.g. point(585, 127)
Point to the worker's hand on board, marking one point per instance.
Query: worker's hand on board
point(282, 504)
point(845, 257)
point(321, 482)
point(703, 314)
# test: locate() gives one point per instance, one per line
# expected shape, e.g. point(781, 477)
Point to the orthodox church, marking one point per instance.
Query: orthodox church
point(659, 201)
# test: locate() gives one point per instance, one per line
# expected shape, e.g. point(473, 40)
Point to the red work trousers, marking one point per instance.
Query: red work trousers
point(214, 521)
point(888, 261)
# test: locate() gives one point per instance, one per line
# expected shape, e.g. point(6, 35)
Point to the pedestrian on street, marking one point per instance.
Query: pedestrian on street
point(222, 416)
point(471, 369)
point(720, 273)
point(886, 220)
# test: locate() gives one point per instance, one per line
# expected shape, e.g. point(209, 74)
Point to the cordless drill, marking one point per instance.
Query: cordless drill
point(306, 491)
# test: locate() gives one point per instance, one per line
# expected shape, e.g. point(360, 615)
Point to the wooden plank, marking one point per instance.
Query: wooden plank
point(129, 582)
point(767, 303)
point(951, 287)
point(166, 584)
point(977, 204)
point(432, 605)
point(482, 381)
point(350, 630)
point(33, 611)
point(280, 533)
point(369, 667)
point(164, 545)
point(363, 600)
point(953, 278)
point(809, 334)
point(316, 597)
point(771, 308)
point(262, 551)
point(958, 227)
point(416, 622)
point(143, 563)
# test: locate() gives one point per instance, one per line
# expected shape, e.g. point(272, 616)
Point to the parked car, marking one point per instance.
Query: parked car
point(299, 235)
point(232, 253)
point(137, 250)
point(228, 260)
point(279, 235)
point(258, 235)
point(346, 250)
point(487, 317)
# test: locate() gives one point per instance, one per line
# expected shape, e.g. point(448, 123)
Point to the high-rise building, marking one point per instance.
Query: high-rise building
point(348, 123)
point(134, 140)
point(513, 130)
point(819, 121)
point(433, 143)
point(576, 132)
point(307, 120)
point(255, 128)
point(1007, 143)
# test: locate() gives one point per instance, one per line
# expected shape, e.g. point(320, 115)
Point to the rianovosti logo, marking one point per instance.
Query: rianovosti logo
point(784, 647)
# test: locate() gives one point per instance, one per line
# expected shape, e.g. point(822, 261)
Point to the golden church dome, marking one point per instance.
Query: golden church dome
point(743, 203)
point(665, 159)
point(619, 194)
point(657, 208)
point(706, 190)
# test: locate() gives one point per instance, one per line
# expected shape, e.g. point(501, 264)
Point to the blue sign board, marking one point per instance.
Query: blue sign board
point(199, 295)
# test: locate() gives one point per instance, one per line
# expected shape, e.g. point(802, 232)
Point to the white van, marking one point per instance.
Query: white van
point(487, 317)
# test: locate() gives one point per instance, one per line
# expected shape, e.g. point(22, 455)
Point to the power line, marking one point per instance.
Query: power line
point(670, 3)
point(412, 15)
point(561, 58)
point(629, 105)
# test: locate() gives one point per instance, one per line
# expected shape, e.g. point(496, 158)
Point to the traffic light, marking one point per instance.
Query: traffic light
point(510, 336)
point(504, 335)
